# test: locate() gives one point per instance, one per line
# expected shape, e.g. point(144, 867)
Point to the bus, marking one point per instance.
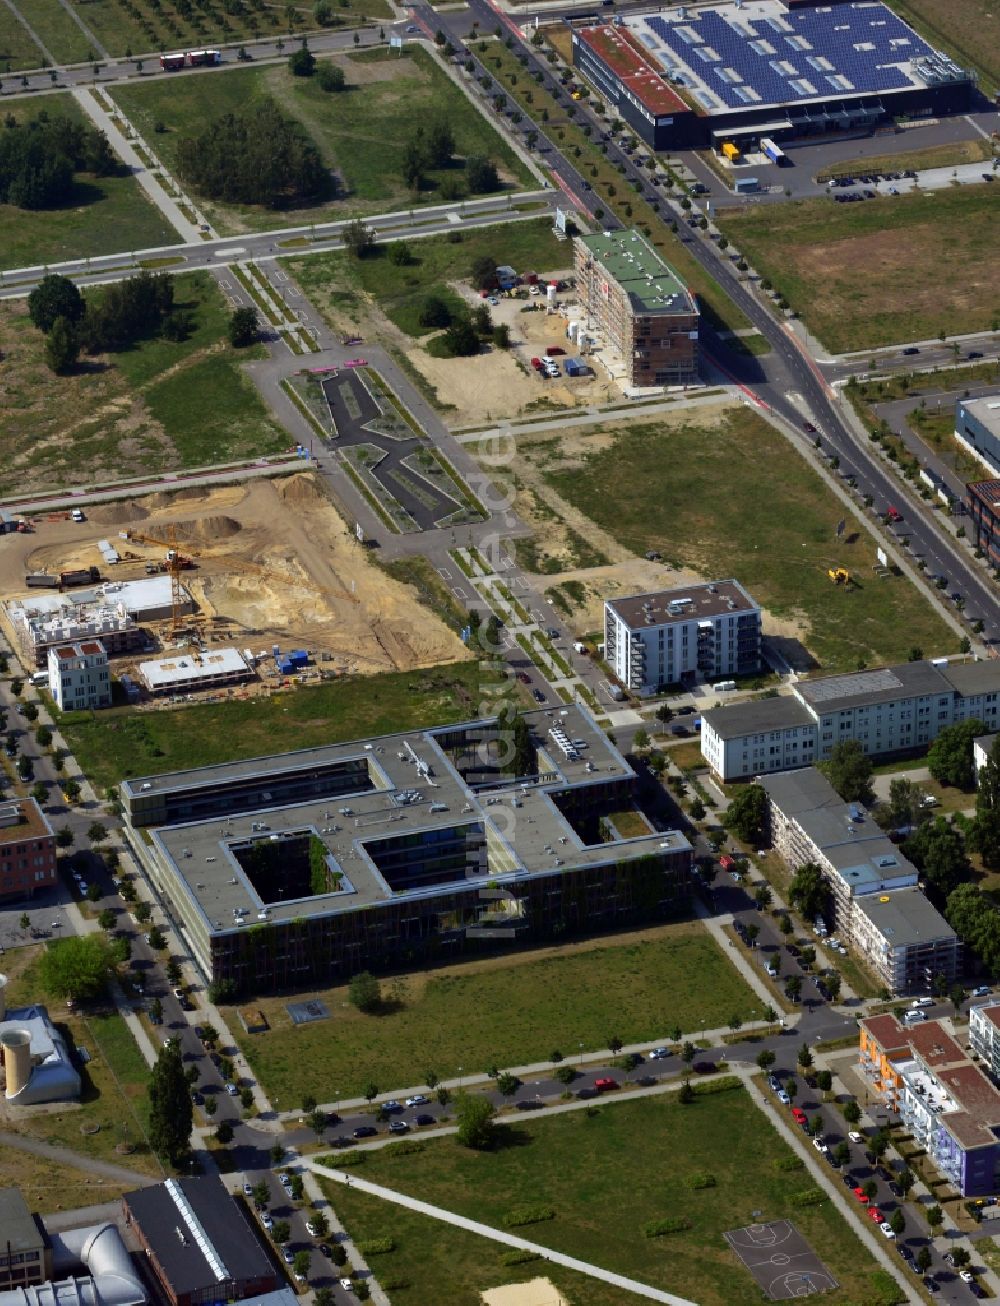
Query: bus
point(774, 152)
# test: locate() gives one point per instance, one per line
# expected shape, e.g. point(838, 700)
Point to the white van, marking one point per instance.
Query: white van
point(40, 678)
point(913, 1017)
point(922, 1002)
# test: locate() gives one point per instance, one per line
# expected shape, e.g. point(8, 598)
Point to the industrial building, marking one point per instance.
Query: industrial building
point(25, 1254)
point(874, 905)
point(79, 678)
point(199, 1242)
point(187, 671)
point(37, 1066)
point(310, 866)
point(27, 849)
point(638, 306)
point(113, 612)
point(943, 1099)
point(680, 636)
point(692, 78)
point(977, 427)
point(888, 710)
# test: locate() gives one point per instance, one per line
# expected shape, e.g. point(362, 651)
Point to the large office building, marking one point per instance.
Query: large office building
point(638, 306)
point(943, 1099)
point(79, 679)
point(309, 867)
point(27, 849)
point(888, 710)
point(874, 902)
point(680, 636)
point(977, 426)
point(689, 78)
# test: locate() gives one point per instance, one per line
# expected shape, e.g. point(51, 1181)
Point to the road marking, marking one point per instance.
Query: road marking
point(280, 275)
point(444, 573)
point(227, 253)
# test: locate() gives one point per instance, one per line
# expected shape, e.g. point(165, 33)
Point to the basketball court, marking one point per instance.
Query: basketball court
point(780, 1260)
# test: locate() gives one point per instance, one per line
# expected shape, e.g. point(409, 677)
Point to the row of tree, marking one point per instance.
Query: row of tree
point(39, 160)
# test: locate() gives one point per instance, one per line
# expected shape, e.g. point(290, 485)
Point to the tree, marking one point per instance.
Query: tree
point(804, 1057)
point(365, 992)
point(523, 759)
point(302, 62)
point(40, 792)
point(244, 327)
point(277, 1153)
point(301, 1263)
point(766, 1059)
point(809, 891)
point(443, 1095)
point(688, 1053)
point(107, 919)
point(906, 1179)
point(785, 923)
point(76, 968)
point(750, 933)
point(461, 340)
point(400, 254)
point(62, 348)
point(309, 1103)
point(762, 896)
point(935, 1216)
point(261, 1197)
point(25, 922)
point(475, 1116)
point(281, 1232)
point(370, 1092)
point(483, 273)
point(157, 939)
point(97, 832)
point(686, 1094)
point(849, 770)
point(793, 987)
point(697, 809)
point(792, 1088)
point(224, 1133)
point(949, 758)
point(331, 78)
point(923, 1259)
point(142, 912)
point(957, 994)
point(320, 1223)
point(481, 175)
point(564, 1074)
point(870, 1188)
point(746, 816)
point(434, 313)
point(359, 240)
point(615, 1044)
point(824, 1081)
point(960, 1258)
point(852, 1112)
point(170, 1111)
point(832, 983)
point(53, 298)
point(323, 13)
point(318, 1122)
point(507, 1084)
point(897, 1221)
point(938, 849)
point(43, 736)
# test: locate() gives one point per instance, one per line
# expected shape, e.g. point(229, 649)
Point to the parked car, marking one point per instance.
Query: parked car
point(605, 1084)
point(398, 1127)
point(365, 1131)
point(658, 1054)
point(887, 1229)
point(861, 1195)
point(418, 1099)
point(798, 1115)
point(425, 1119)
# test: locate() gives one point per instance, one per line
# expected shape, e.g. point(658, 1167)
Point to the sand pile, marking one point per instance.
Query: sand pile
point(299, 489)
point(207, 530)
point(115, 514)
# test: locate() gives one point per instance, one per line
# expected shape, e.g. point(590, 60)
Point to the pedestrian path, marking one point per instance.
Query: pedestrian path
point(66, 1156)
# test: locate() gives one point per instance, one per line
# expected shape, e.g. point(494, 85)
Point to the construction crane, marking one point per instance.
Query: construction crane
point(175, 563)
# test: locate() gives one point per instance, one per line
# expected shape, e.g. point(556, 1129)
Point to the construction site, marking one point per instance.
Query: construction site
point(248, 585)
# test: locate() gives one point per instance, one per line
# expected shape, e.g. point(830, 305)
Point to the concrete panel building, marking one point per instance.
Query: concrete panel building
point(79, 678)
point(977, 426)
point(889, 711)
point(984, 1035)
point(679, 636)
point(638, 306)
point(25, 1255)
point(27, 850)
point(308, 867)
point(905, 940)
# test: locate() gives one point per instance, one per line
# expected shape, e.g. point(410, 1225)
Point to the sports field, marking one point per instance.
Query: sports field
point(894, 269)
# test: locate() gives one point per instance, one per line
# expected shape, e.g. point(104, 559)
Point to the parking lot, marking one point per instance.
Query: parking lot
point(46, 914)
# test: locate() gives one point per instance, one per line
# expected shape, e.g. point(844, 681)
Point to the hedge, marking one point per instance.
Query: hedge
point(669, 1224)
point(700, 1179)
point(377, 1246)
point(519, 1257)
point(808, 1197)
point(527, 1215)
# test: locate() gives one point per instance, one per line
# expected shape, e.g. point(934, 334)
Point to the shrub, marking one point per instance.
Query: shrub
point(808, 1197)
point(669, 1224)
point(788, 1163)
point(348, 1160)
point(700, 1179)
point(395, 1281)
point(376, 1246)
point(527, 1215)
point(517, 1257)
point(709, 1086)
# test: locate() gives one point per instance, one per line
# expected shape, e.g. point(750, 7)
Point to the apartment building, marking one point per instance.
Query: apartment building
point(27, 849)
point(874, 903)
point(638, 306)
point(984, 1035)
point(79, 678)
point(679, 636)
point(945, 1101)
point(888, 710)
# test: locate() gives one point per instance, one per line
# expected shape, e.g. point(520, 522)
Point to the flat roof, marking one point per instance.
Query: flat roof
point(972, 678)
point(189, 668)
point(651, 284)
point(33, 823)
point(17, 1224)
point(407, 785)
point(86, 648)
point(904, 917)
point(869, 688)
point(200, 1234)
point(887, 1032)
point(690, 602)
point(759, 54)
point(984, 408)
point(736, 720)
point(624, 55)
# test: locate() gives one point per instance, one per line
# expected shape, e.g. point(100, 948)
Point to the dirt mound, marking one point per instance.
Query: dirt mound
point(207, 530)
point(167, 498)
point(300, 489)
point(114, 514)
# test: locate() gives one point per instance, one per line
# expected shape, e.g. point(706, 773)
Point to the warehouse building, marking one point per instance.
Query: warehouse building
point(888, 710)
point(308, 867)
point(680, 636)
point(638, 307)
point(79, 678)
point(690, 78)
point(977, 427)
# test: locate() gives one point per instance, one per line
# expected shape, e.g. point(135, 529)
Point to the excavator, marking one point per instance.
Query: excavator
point(839, 575)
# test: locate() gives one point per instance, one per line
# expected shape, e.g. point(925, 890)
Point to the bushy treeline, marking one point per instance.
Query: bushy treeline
point(255, 156)
point(39, 159)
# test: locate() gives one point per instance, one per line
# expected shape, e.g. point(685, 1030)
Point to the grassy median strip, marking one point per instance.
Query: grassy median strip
point(933, 156)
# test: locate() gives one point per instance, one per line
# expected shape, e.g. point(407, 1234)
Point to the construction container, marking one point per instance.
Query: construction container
point(298, 657)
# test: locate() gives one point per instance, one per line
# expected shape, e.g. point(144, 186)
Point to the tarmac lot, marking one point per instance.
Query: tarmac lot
point(46, 912)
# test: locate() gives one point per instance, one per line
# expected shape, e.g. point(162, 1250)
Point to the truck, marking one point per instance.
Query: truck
point(613, 691)
point(774, 152)
point(579, 647)
point(41, 580)
point(82, 576)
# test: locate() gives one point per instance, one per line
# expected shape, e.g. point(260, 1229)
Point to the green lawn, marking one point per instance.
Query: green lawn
point(106, 214)
point(57, 31)
point(334, 281)
point(863, 275)
point(17, 49)
point(121, 415)
point(118, 743)
point(511, 1010)
point(360, 132)
point(656, 487)
point(606, 1174)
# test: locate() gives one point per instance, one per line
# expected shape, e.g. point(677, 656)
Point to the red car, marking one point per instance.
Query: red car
point(861, 1195)
point(524, 678)
point(536, 363)
point(553, 351)
point(894, 514)
point(798, 1115)
point(875, 1214)
point(605, 1085)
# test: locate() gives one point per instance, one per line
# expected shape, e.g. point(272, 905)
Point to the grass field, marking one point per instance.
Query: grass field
point(335, 281)
point(606, 1174)
point(107, 214)
point(17, 49)
point(967, 29)
point(932, 156)
point(863, 275)
point(652, 487)
point(57, 30)
point(509, 1010)
point(159, 406)
point(118, 743)
point(361, 132)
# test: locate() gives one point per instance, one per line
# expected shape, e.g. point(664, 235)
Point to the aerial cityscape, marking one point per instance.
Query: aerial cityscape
point(499, 652)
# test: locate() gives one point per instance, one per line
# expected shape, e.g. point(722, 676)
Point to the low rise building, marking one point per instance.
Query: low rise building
point(945, 1101)
point(27, 849)
point(188, 671)
point(905, 940)
point(888, 711)
point(981, 750)
point(977, 427)
point(639, 307)
point(983, 505)
point(679, 636)
point(79, 679)
point(199, 1242)
point(25, 1255)
point(984, 1035)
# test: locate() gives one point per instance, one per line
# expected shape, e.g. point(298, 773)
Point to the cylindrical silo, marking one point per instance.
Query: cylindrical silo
point(16, 1044)
point(550, 295)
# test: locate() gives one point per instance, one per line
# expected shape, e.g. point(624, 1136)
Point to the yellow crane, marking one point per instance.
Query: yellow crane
point(175, 562)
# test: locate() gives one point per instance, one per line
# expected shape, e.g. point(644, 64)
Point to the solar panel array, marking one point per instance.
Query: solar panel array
point(746, 57)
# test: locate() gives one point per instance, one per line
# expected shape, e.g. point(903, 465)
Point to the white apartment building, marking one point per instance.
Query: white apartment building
point(887, 710)
point(984, 1035)
point(78, 675)
point(672, 637)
